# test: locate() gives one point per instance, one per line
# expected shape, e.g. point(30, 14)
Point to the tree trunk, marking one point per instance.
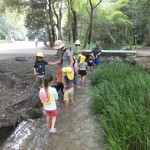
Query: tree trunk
point(86, 35)
point(69, 22)
point(74, 23)
point(89, 29)
point(51, 23)
point(59, 23)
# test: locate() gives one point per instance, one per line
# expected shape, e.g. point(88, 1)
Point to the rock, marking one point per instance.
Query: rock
point(34, 113)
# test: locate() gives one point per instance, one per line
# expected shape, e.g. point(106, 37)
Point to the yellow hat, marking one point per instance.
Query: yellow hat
point(80, 55)
point(82, 59)
point(69, 72)
point(39, 54)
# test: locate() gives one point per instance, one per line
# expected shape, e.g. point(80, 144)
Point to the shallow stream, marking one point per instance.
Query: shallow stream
point(77, 129)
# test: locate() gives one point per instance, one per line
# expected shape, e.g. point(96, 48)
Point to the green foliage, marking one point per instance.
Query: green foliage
point(12, 25)
point(36, 16)
point(121, 99)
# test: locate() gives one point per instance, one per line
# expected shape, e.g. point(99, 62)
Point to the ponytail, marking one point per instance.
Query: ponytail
point(47, 80)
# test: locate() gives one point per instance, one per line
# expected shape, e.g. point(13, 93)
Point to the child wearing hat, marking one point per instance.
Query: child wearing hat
point(91, 62)
point(39, 69)
point(82, 68)
point(68, 85)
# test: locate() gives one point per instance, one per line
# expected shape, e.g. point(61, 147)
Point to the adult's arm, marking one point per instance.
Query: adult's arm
point(71, 61)
point(56, 62)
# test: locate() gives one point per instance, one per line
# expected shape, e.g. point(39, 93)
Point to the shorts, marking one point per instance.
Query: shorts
point(82, 72)
point(52, 113)
point(68, 94)
point(97, 61)
point(91, 64)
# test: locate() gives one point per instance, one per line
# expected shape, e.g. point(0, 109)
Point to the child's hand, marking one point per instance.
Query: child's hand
point(50, 63)
point(34, 73)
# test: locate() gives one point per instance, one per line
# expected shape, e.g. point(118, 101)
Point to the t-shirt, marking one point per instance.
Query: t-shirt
point(65, 58)
point(52, 105)
point(68, 82)
point(82, 66)
point(40, 67)
point(96, 50)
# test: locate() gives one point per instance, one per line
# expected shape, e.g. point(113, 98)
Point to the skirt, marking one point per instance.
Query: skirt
point(82, 72)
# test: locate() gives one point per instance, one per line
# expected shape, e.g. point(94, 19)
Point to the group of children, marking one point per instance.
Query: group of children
point(67, 78)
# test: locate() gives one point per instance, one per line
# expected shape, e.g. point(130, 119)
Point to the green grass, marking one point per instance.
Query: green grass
point(121, 100)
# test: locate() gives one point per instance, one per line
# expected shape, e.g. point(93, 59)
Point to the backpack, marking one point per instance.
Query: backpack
point(44, 98)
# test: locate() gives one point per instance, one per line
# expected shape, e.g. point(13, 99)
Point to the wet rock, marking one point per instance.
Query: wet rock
point(5, 132)
point(36, 100)
point(34, 113)
point(130, 60)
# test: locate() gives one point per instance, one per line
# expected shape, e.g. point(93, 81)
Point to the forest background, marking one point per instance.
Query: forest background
point(116, 24)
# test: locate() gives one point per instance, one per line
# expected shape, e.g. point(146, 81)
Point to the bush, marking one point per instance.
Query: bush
point(121, 99)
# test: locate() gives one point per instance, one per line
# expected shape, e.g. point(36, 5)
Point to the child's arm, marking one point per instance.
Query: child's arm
point(65, 85)
point(34, 71)
point(55, 94)
point(86, 66)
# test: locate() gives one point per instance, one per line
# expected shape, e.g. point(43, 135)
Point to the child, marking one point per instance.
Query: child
point(48, 95)
point(91, 62)
point(68, 85)
point(79, 56)
point(82, 68)
point(39, 69)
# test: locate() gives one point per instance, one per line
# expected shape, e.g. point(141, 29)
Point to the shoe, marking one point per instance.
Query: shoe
point(53, 130)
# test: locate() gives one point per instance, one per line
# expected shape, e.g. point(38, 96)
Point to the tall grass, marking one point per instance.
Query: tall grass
point(121, 100)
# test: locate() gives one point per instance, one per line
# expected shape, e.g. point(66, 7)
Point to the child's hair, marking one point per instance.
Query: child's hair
point(47, 79)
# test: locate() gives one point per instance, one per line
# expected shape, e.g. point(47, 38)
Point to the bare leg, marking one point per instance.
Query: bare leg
point(48, 121)
point(83, 78)
point(71, 101)
point(53, 129)
point(67, 103)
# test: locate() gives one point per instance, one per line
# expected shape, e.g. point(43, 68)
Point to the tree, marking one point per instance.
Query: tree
point(89, 29)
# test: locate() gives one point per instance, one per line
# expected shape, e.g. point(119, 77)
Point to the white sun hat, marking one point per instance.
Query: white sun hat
point(58, 44)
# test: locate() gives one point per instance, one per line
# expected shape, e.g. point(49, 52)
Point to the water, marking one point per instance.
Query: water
point(77, 129)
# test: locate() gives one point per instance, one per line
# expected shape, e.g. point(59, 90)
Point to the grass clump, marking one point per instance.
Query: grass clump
point(121, 100)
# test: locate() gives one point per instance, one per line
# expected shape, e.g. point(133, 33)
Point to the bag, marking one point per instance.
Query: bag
point(44, 98)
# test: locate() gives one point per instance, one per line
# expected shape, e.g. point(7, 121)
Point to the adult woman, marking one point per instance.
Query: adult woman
point(65, 56)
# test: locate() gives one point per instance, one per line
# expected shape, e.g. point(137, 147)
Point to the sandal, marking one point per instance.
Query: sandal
point(53, 130)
